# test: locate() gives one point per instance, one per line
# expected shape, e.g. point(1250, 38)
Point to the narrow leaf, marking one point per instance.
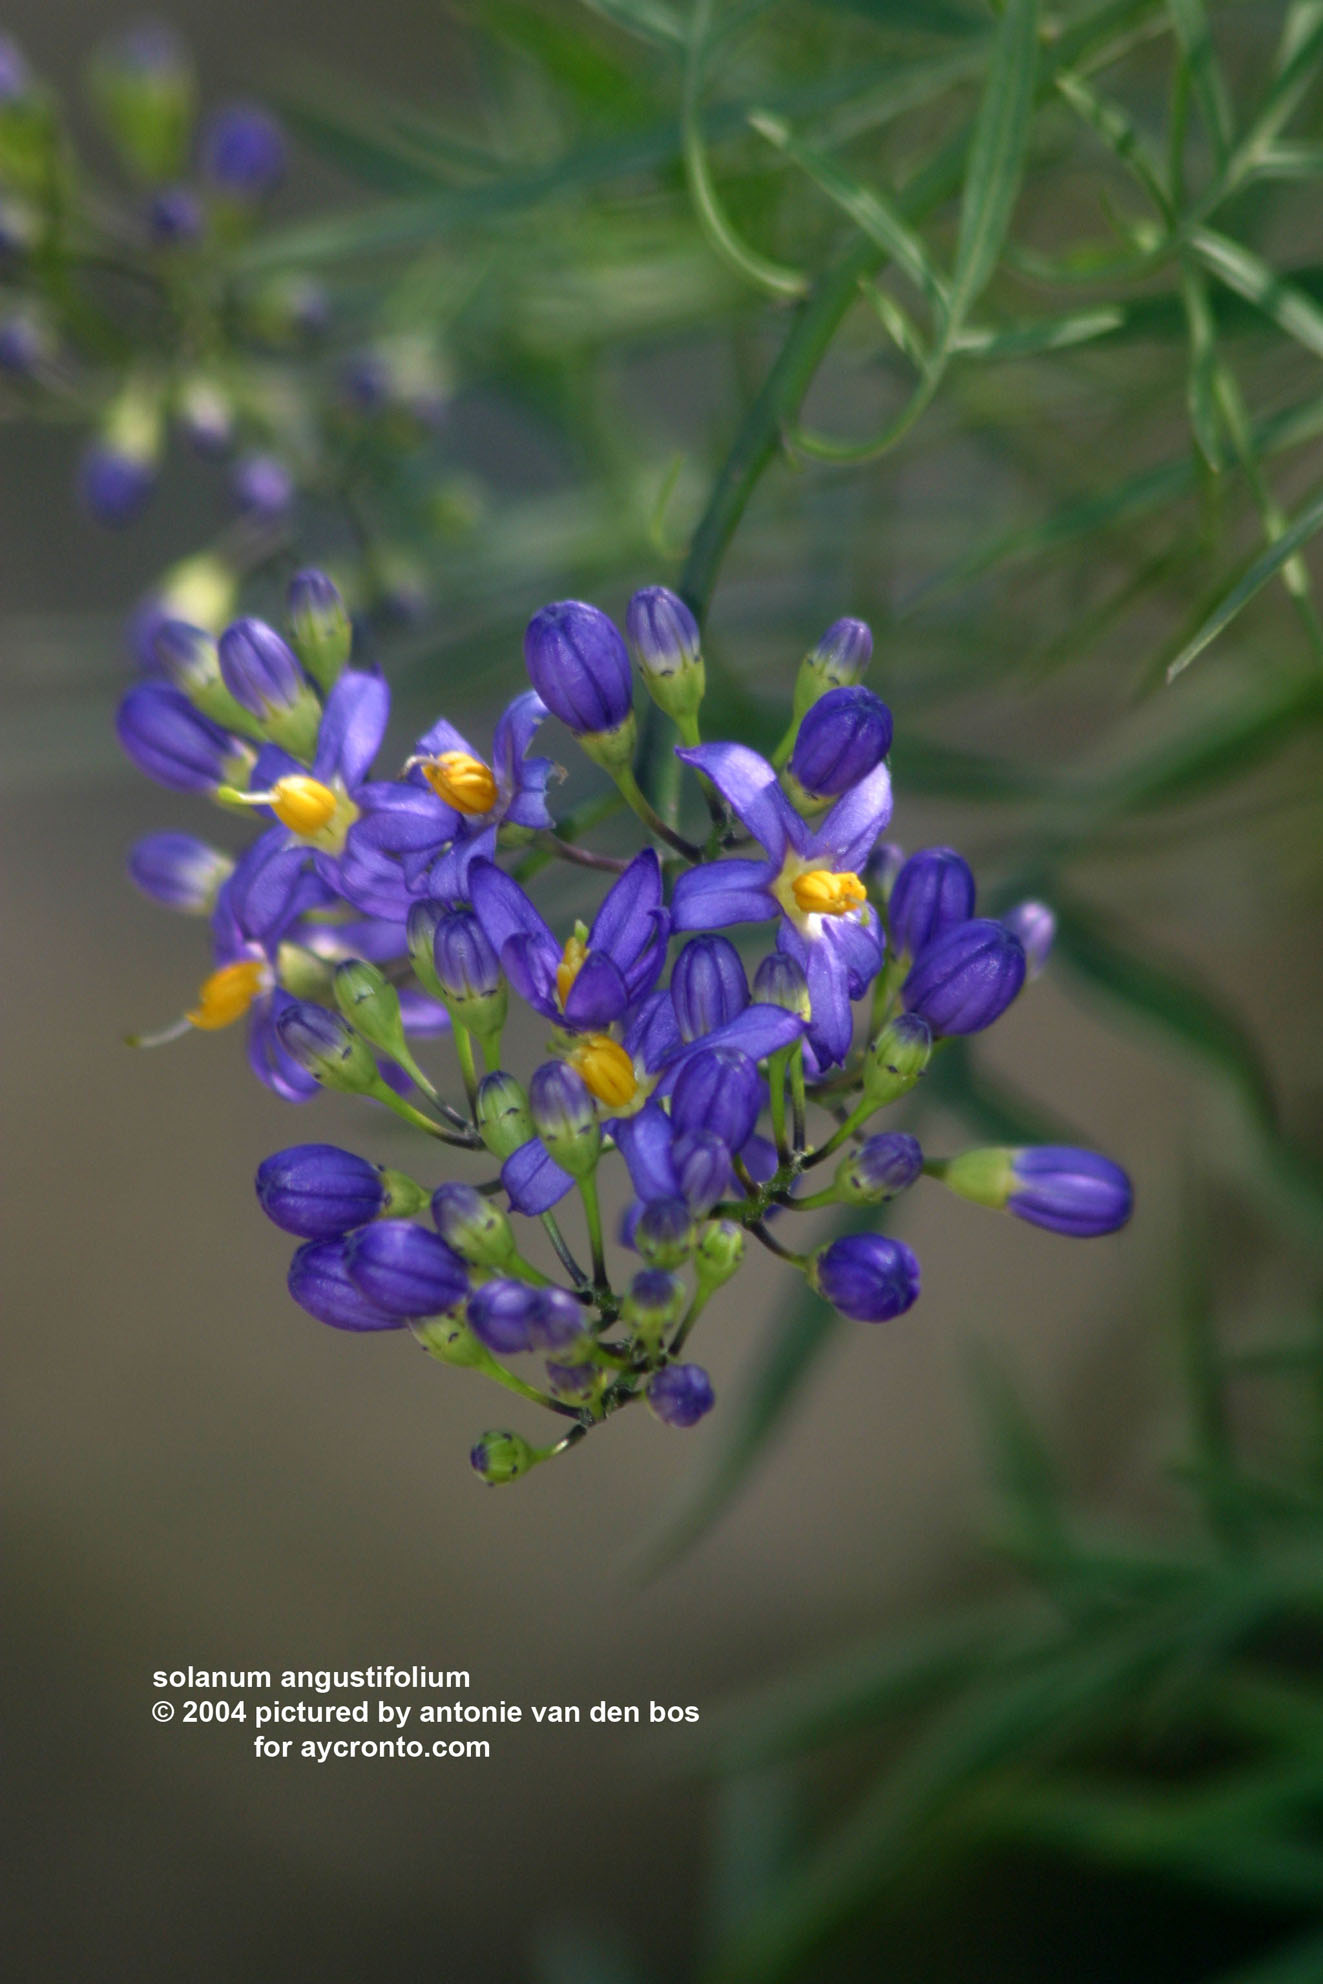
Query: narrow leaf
point(1250, 276)
point(1307, 520)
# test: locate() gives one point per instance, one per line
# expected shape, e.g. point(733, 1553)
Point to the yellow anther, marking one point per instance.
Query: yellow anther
point(228, 993)
point(606, 1068)
point(571, 964)
point(821, 893)
point(302, 804)
point(462, 781)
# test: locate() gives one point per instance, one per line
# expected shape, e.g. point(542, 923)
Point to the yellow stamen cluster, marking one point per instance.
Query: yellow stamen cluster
point(571, 964)
point(822, 893)
point(227, 994)
point(302, 804)
point(606, 1069)
point(462, 781)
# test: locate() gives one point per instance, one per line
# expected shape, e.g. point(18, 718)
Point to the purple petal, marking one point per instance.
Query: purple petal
point(759, 1030)
point(530, 967)
point(831, 1023)
point(860, 946)
point(533, 1179)
point(749, 786)
point(854, 823)
point(268, 1059)
point(400, 818)
point(627, 921)
point(503, 909)
point(653, 1034)
point(644, 1142)
point(598, 995)
point(721, 893)
point(421, 1014)
point(353, 725)
point(443, 736)
point(516, 727)
point(262, 893)
point(372, 881)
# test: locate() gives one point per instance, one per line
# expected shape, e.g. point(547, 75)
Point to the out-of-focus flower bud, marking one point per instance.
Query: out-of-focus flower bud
point(967, 978)
point(708, 986)
point(180, 871)
point(327, 1048)
point(469, 974)
point(866, 1276)
point(501, 1315)
point(653, 1305)
point(843, 737)
point(319, 1191)
point(579, 665)
point(243, 153)
point(881, 1168)
point(505, 1122)
point(175, 219)
point(933, 891)
point(405, 1269)
point(718, 1090)
point(204, 414)
point(500, 1457)
point(1036, 927)
point(189, 657)
point(839, 660)
point(174, 744)
point(319, 1282)
point(200, 591)
point(664, 636)
point(27, 344)
point(897, 1058)
point(565, 1118)
point(664, 1233)
point(262, 673)
point(720, 1252)
point(263, 488)
point(1075, 1192)
point(680, 1394)
point(779, 981)
point(319, 626)
point(473, 1226)
point(143, 85)
point(702, 1169)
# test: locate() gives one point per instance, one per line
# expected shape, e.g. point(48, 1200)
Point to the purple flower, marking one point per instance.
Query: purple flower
point(680, 1394)
point(15, 75)
point(662, 632)
point(1036, 927)
point(708, 986)
point(176, 745)
point(845, 736)
point(319, 1191)
point(866, 1276)
point(967, 978)
point(179, 871)
point(262, 487)
point(1075, 1192)
point(405, 1270)
point(579, 665)
point(260, 670)
point(467, 967)
point(501, 1315)
point(933, 890)
point(319, 1282)
point(115, 483)
point(243, 152)
point(717, 1090)
point(25, 343)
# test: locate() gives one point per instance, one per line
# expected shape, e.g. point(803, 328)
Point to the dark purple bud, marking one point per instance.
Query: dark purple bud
point(662, 632)
point(933, 891)
point(967, 979)
point(173, 743)
point(466, 965)
point(179, 871)
point(260, 670)
point(557, 1320)
point(702, 1170)
point(502, 1315)
point(579, 665)
point(262, 487)
point(405, 1270)
point(867, 1276)
point(881, 1168)
point(779, 981)
point(1036, 927)
point(573, 1381)
point(319, 1281)
point(319, 1191)
point(243, 152)
point(365, 380)
point(174, 217)
point(664, 1233)
point(708, 986)
point(680, 1394)
point(565, 1116)
point(1069, 1191)
point(843, 738)
point(718, 1090)
point(114, 483)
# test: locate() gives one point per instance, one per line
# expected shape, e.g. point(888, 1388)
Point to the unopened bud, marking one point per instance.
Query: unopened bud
point(720, 1252)
point(565, 1118)
point(505, 1122)
point(319, 626)
point(327, 1048)
point(897, 1058)
point(475, 1228)
point(500, 1457)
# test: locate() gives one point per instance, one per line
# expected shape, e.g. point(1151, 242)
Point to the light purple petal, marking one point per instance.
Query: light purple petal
point(860, 945)
point(721, 893)
point(503, 909)
point(759, 1030)
point(831, 1021)
point(353, 725)
point(268, 1059)
point(400, 818)
point(644, 1142)
point(372, 881)
point(848, 833)
point(443, 736)
point(626, 923)
point(598, 995)
point(421, 1014)
point(530, 967)
point(749, 786)
point(654, 1032)
point(448, 880)
point(516, 727)
point(533, 1179)
point(263, 894)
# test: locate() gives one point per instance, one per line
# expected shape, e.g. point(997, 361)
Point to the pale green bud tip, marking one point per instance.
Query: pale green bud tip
point(404, 1195)
point(505, 1121)
point(319, 625)
point(986, 1177)
point(500, 1457)
point(369, 1002)
point(450, 1339)
point(898, 1057)
point(720, 1252)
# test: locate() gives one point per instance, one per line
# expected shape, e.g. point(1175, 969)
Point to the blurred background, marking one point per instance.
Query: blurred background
point(1003, 1619)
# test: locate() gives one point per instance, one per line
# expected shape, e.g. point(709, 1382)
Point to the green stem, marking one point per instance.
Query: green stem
point(696, 1308)
point(592, 1212)
point(490, 1044)
point(563, 1254)
point(776, 1078)
point(406, 1110)
point(633, 794)
point(859, 1114)
point(815, 1201)
point(464, 1055)
point(797, 1097)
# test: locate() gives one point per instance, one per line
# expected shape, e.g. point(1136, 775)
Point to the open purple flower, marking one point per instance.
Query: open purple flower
point(808, 877)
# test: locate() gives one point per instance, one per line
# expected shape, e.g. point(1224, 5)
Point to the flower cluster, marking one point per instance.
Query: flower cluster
point(720, 1071)
point(143, 320)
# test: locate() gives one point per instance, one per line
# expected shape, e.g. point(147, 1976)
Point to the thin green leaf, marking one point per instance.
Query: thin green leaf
point(1026, 340)
point(996, 157)
point(1200, 388)
point(648, 19)
point(1299, 1962)
point(1250, 276)
point(1209, 85)
point(1306, 522)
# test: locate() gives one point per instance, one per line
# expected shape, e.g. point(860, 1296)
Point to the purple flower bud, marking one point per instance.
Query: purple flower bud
point(174, 217)
point(565, 1116)
point(967, 979)
point(25, 344)
point(866, 1276)
point(680, 1394)
point(319, 625)
point(502, 1112)
point(186, 654)
point(243, 152)
point(326, 1047)
point(114, 484)
point(557, 1320)
point(260, 670)
point(843, 738)
point(501, 1315)
point(15, 75)
point(1075, 1192)
point(471, 1225)
point(179, 871)
point(662, 632)
point(404, 1269)
point(319, 1281)
point(172, 742)
point(717, 1089)
point(664, 1233)
point(843, 653)
point(466, 965)
point(319, 1191)
point(205, 417)
point(702, 1170)
point(881, 1168)
point(572, 1381)
point(933, 891)
point(708, 986)
point(655, 1301)
point(579, 665)
point(365, 380)
point(882, 867)
point(262, 487)
point(779, 981)
point(1036, 927)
